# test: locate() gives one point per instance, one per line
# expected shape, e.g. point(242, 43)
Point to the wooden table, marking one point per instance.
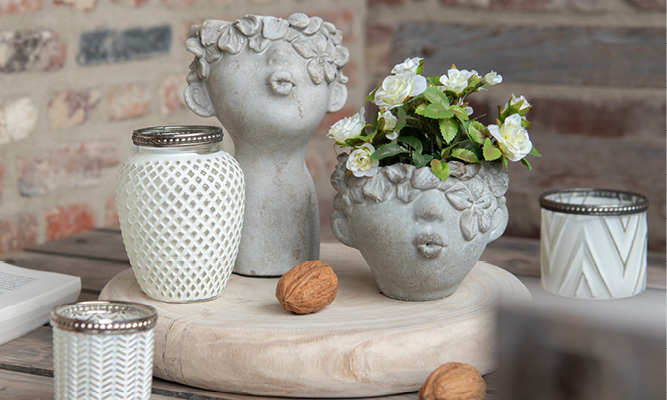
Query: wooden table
point(26, 370)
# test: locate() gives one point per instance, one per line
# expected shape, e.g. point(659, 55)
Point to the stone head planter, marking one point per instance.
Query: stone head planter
point(420, 235)
point(270, 81)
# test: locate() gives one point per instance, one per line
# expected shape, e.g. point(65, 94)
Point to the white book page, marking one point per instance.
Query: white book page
point(20, 284)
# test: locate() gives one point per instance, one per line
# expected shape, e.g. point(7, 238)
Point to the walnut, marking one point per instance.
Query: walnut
point(307, 288)
point(454, 381)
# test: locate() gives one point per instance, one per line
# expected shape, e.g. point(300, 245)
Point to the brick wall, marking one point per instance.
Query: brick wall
point(77, 76)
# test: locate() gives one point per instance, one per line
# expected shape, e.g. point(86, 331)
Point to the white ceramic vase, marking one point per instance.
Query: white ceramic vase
point(593, 243)
point(420, 235)
point(180, 204)
point(103, 350)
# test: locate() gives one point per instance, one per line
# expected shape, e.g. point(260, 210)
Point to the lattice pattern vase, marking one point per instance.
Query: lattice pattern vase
point(103, 350)
point(593, 243)
point(180, 204)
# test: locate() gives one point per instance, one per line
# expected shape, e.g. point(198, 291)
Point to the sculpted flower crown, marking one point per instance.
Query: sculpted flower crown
point(313, 39)
point(426, 121)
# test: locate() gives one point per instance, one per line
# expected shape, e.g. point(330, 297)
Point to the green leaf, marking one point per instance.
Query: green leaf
point(435, 111)
point(444, 154)
point(387, 150)
point(420, 160)
point(436, 96)
point(448, 128)
point(412, 142)
point(526, 163)
point(534, 152)
point(490, 151)
point(459, 112)
point(465, 155)
point(478, 132)
point(402, 118)
point(440, 169)
point(371, 96)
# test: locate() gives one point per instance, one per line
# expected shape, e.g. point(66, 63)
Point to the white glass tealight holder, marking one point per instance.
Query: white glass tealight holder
point(593, 243)
point(180, 203)
point(103, 350)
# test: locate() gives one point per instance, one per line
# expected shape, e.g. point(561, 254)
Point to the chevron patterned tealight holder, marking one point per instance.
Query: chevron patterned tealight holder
point(593, 243)
point(103, 350)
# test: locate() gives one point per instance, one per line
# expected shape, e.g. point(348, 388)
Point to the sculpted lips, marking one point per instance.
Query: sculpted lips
point(429, 245)
point(281, 83)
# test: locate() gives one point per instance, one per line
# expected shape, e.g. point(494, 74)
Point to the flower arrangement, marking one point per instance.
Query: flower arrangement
point(426, 121)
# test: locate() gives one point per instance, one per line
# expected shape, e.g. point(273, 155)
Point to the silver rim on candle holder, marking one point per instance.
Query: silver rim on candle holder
point(629, 203)
point(176, 136)
point(104, 317)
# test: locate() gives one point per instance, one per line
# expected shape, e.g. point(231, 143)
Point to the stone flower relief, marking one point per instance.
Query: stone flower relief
point(312, 38)
point(473, 200)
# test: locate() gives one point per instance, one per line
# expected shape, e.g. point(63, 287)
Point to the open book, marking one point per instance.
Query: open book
point(27, 296)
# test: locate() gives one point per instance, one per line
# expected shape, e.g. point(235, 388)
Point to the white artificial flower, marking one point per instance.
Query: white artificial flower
point(409, 65)
point(360, 163)
point(389, 120)
point(395, 89)
point(348, 128)
point(469, 110)
point(512, 138)
point(457, 80)
point(493, 78)
point(514, 100)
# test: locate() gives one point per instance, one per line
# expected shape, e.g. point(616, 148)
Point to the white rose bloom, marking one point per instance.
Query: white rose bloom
point(397, 88)
point(389, 120)
point(393, 135)
point(409, 65)
point(515, 100)
point(360, 162)
point(348, 128)
point(457, 80)
point(512, 138)
point(493, 78)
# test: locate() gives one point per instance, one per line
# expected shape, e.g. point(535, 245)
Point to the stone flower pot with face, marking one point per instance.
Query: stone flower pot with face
point(420, 235)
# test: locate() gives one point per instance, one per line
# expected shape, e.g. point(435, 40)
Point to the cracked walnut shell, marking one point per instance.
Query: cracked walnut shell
point(454, 381)
point(307, 288)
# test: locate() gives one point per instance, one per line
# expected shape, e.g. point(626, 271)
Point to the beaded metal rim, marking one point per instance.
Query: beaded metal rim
point(636, 203)
point(176, 136)
point(143, 319)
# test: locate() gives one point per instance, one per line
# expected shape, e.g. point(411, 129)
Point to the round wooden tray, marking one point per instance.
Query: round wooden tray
point(363, 344)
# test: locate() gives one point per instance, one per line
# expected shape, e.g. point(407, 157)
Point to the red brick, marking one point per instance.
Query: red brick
point(67, 220)
point(530, 5)
point(19, 6)
point(344, 19)
point(83, 5)
point(17, 232)
point(65, 167)
point(378, 49)
point(111, 214)
point(127, 101)
point(171, 94)
point(32, 51)
point(72, 107)
point(649, 4)
point(314, 164)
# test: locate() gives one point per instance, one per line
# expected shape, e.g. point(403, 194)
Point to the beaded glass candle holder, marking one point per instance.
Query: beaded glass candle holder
point(103, 350)
point(593, 243)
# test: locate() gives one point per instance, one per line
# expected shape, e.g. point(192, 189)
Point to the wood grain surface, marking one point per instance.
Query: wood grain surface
point(364, 344)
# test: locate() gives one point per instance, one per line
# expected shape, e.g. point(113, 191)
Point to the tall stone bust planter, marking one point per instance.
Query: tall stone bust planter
point(420, 235)
point(270, 81)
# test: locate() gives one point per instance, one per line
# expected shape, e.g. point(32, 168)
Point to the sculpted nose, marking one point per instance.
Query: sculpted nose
point(429, 212)
point(280, 56)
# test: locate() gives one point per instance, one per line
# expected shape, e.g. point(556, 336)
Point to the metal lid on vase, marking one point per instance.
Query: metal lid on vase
point(176, 135)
